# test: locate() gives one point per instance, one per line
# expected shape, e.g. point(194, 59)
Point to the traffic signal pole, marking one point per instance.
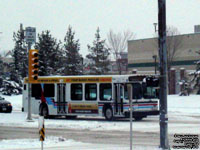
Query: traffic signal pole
point(164, 143)
point(29, 117)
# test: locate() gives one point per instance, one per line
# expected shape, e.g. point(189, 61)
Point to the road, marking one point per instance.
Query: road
point(105, 137)
point(120, 138)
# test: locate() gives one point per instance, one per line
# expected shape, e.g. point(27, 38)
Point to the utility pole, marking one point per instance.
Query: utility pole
point(164, 143)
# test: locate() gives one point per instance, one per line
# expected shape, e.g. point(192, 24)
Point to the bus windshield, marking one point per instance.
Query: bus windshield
point(150, 92)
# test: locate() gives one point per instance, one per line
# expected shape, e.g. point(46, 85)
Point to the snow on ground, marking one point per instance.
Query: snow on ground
point(184, 104)
point(60, 143)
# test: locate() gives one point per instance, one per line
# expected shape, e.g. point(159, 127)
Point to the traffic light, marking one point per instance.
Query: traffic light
point(33, 65)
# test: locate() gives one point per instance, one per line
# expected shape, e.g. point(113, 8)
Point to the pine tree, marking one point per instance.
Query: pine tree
point(49, 53)
point(195, 81)
point(1, 67)
point(73, 59)
point(98, 55)
point(197, 76)
point(1, 71)
point(20, 56)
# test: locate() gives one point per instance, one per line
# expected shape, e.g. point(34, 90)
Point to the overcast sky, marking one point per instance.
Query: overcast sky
point(86, 15)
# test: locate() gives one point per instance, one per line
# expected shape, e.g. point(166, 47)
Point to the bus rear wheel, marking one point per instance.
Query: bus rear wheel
point(44, 112)
point(138, 118)
point(108, 113)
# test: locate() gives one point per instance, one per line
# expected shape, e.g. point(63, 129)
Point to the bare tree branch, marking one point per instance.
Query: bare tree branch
point(118, 44)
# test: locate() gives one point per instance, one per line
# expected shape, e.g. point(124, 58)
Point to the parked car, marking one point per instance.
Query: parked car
point(5, 106)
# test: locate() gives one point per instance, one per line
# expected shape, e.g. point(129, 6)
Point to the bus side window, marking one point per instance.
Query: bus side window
point(137, 90)
point(105, 91)
point(36, 90)
point(76, 92)
point(125, 92)
point(49, 90)
point(90, 91)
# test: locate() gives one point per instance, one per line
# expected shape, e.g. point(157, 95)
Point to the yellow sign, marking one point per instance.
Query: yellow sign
point(72, 80)
point(83, 108)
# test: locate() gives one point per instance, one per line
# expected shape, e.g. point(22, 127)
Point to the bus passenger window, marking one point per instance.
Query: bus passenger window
point(76, 92)
point(49, 90)
point(90, 91)
point(36, 90)
point(105, 91)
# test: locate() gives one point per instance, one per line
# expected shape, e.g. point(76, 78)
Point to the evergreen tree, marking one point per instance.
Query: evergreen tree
point(98, 56)
point(73, 59)
point(1, 71)
point(20, 56)
point(196, 76)
point(49, 53)
point(1, 67)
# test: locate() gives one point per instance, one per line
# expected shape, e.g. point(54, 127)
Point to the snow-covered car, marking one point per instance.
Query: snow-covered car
point(5, 106)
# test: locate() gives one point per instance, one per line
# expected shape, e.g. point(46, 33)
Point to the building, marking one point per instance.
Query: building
point(143, 53)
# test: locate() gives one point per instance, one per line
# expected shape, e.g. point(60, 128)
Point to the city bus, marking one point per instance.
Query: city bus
point(105, 96)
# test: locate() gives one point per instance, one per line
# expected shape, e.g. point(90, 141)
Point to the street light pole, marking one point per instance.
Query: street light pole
point(155, 58)
point(155, 26)
point(164, 143)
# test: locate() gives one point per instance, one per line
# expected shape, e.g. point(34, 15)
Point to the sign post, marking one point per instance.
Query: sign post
point(41, 130)
point(131, 112)
point(30, 37)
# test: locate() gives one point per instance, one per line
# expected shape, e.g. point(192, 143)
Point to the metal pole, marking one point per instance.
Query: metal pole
point(131, 111)
point(164, 143)
point(155, 57)
point(29, 118)
point(41, 145)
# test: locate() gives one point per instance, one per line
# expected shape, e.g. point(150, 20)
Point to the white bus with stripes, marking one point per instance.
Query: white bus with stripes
point(93, 95)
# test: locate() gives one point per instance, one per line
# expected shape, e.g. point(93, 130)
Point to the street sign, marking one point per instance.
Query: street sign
point(30, 35)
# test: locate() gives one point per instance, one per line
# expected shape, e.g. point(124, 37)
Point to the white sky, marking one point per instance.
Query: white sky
point(86, 15)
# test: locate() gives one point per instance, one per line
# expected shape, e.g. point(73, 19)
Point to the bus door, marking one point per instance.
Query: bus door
point(61, 98)
point(118, 98)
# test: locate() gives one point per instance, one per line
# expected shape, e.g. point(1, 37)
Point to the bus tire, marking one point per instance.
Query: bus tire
point(108, 113)
point(44, 112)
point(70, 117)
point(138, 118)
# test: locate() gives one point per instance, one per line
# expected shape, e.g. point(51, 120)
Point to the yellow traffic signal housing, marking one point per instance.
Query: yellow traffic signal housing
point(33, 65)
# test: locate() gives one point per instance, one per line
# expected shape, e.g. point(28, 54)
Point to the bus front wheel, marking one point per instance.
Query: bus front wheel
point(108, 113)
